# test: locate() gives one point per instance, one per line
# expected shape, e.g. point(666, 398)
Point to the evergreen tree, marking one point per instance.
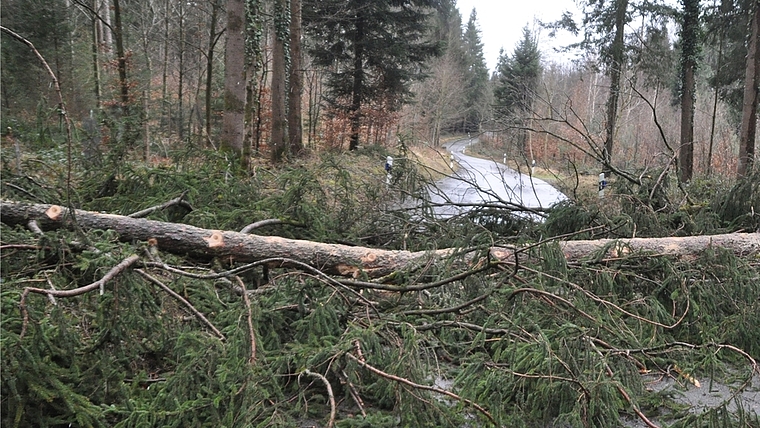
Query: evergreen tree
point(46, 24)
point(372, 48)
point(476, 90)
point(516, 82)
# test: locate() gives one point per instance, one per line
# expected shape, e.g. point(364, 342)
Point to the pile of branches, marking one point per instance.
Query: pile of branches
point(109, 325)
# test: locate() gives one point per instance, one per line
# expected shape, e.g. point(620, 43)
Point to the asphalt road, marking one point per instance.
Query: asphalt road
point(480, 181)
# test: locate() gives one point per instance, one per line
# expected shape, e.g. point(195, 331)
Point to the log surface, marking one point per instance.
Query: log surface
point(339, 259)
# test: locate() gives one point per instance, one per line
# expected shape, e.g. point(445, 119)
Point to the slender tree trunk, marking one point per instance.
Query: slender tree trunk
point(121, 57)
point(279, 140)
point(146, 128)
point(96, 56)
point(616, 70)
point(356, 92)
point(749, 107)
point(210, 68)
point(107, 36)
point(165, 68)
point(689, 52)
point(295, 121)
point(715, 102)
point(181, 76)
point(233, 127)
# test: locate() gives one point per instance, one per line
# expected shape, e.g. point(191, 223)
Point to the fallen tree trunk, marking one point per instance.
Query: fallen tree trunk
point(337, 259)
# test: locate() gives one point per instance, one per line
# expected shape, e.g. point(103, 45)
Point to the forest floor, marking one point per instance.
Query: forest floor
point(696, 400)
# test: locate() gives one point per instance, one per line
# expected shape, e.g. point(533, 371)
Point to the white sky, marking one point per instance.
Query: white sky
point(501, 23)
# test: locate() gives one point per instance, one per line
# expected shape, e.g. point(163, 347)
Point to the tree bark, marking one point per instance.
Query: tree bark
point(615, 72)
point(121, 58)
point(212, 39)
point(233, 126)
point(690, 51)
point(280, 141)
point(340, 259)
point(358, 82)
point(295, 127)
point(749, 107)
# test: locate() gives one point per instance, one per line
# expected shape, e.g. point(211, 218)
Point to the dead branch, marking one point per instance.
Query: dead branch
point(354, 393)
point(262, 223)
point(182, 300)
point(604, 302)
point(622, 390)
point(330, 396)
point(251, 332)
point(61, 104)
point(418, 386)
point(178, 201)
point(32, 225)
point(116, 270)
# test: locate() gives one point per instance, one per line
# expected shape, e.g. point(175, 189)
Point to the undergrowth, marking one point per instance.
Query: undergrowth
point(539, 342)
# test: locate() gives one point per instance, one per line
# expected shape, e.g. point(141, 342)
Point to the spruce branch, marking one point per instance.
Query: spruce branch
point(415, 385)
point(622, 390)
point(182, 300)
point(115, 271)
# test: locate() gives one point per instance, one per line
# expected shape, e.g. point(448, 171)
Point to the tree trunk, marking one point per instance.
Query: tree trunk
point(233, 127)
point(340, 259)
point(689, 52)
point(210, 68)
point(165, 71)
point(96, 56)
point(295, 126)
point(749, 106)
point(181, 74)
point(279, 84)
point(616, 70)
point(358, 83)
point(121, 58)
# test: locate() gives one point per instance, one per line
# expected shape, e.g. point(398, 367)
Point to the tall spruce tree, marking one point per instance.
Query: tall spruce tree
point(516, 82)
point(372, 49)
point(476, 91)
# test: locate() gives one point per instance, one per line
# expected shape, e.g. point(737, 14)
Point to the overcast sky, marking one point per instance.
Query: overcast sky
point(501, 23)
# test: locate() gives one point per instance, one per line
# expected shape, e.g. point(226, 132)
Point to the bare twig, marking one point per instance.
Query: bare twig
point(116, 270)
point(20, 247)
point(354, 393)
point(330, 396)
point(418, 386)
point(182, 300)
point(251, 332)
point(24, 191)
point(261, 223)
point(180, 200)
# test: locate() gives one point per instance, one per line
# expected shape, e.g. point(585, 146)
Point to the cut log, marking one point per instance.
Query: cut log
point(338, 259)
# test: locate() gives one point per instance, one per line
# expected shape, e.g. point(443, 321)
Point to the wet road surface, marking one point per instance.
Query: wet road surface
point(481, 181)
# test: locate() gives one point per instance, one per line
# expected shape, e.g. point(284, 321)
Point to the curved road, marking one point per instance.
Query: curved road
point(479, 181)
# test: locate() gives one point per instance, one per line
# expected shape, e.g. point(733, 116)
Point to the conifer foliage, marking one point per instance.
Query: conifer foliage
point(373, 49)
